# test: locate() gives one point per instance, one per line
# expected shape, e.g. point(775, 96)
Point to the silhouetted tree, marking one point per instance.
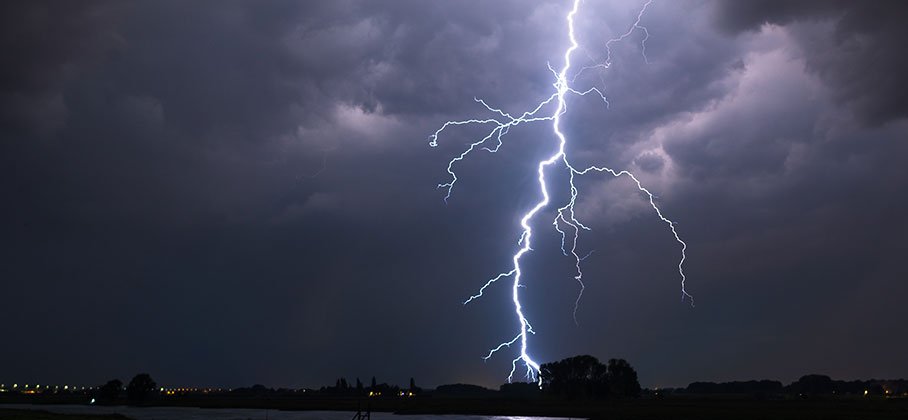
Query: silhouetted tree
point(139, 387)
point(575, 377)
point(813, 385)
point(519, 389)
point(341, 386)
point(359, 386)
point(622, 379)
point(373, 383)
point(413, 388)
point(110, 390)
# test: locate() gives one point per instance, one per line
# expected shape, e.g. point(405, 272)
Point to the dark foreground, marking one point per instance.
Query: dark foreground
point(687, 408)
point(7, 414)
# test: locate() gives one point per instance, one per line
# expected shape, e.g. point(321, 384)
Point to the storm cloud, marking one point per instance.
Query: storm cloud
point(227, 193)
point(852, 46)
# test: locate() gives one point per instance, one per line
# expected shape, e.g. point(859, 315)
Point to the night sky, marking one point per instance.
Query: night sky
point(226, 193)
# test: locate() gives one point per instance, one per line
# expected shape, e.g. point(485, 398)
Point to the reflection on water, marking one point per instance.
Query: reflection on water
point(188, 413)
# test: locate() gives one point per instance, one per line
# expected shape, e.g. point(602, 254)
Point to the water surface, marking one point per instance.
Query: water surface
point(191, 413)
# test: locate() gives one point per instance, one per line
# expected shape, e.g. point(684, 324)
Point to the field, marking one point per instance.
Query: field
point(689, 408)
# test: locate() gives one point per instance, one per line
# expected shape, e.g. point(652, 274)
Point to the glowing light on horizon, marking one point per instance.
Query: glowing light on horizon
point(565, 222)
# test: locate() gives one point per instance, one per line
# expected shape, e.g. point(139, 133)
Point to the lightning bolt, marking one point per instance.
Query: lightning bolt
point(565, 222)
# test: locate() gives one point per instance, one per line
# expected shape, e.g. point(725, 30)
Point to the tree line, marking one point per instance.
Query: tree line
point(139, 389)
point(578, 377)
point(805, 386)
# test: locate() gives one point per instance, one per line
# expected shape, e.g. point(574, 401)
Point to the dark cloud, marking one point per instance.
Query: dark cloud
point(231, 192)
point(47, 43)
point(857, 53)
point(649, 162)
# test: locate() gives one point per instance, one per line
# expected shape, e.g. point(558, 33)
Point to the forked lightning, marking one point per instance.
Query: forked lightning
point(565, 221)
